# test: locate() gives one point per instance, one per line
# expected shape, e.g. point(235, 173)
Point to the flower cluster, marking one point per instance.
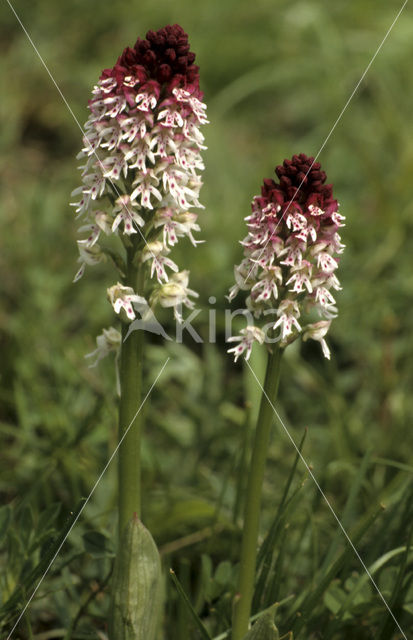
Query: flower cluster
point(142, 157)
point(290, 255)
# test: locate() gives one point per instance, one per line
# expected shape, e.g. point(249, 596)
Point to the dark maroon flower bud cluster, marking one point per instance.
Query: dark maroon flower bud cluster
point(162, 60)
point(300, 185)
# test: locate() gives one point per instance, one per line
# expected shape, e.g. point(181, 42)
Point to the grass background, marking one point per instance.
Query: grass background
point(276, 76)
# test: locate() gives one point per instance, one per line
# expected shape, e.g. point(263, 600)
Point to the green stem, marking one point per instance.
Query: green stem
point(246, 578)
point(131, 396)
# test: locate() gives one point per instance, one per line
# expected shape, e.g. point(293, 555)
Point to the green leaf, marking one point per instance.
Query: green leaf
point(400, 591)
point(272, 591)
point(193, 614)
point(334, 598)
point(223, 573)
point(36, 576)
point(25, 525)
point(373, 569)
point(14, 551)
point(349, 508)
point(5, 519)
point(48, 517)
point(270, 546)
point(310, 599)
point(264, 628)
point(26, 570)
point(97, 544)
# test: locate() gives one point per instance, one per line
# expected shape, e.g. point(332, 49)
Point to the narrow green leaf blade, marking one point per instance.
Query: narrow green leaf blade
point(198, 622)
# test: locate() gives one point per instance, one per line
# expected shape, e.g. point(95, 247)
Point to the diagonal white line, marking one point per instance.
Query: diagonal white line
point(72, 114)
point(88, 498)
point(330, 133)
point(327, 502)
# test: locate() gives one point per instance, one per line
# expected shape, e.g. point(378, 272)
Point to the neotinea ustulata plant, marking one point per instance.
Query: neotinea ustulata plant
point(290, 259)
point(140, 178)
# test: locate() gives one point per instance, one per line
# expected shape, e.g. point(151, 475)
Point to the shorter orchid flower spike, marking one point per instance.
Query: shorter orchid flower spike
point(291, 253)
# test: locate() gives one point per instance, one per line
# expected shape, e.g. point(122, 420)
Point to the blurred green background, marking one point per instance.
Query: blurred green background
point(276, 75)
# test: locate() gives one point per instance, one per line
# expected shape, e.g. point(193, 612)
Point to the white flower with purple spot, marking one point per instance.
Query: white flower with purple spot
point(123, 298)
point(125, 213)
point(246, 339)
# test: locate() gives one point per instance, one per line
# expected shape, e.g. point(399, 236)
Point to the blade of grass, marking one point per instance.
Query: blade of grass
point(348, 510)
point(396, 599)
point(268, 540)
point(267, 560)
point(309, 599)
point(193, 614)
point(265, 554)
point(272, 592)
point(393, 463)
point(181, 629)
point(376, 566)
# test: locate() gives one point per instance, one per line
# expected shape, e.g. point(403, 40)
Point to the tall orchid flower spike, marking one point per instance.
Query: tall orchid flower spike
point(141, 165)
point(141, 157)
point(290, 258)
point(291, 255)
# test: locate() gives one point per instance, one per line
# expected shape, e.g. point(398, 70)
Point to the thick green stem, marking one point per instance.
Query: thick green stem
point(130, 400)
point(246, 578)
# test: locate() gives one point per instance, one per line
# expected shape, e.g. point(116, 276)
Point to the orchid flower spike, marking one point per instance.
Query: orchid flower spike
point(141, 163)
point(290, 256)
